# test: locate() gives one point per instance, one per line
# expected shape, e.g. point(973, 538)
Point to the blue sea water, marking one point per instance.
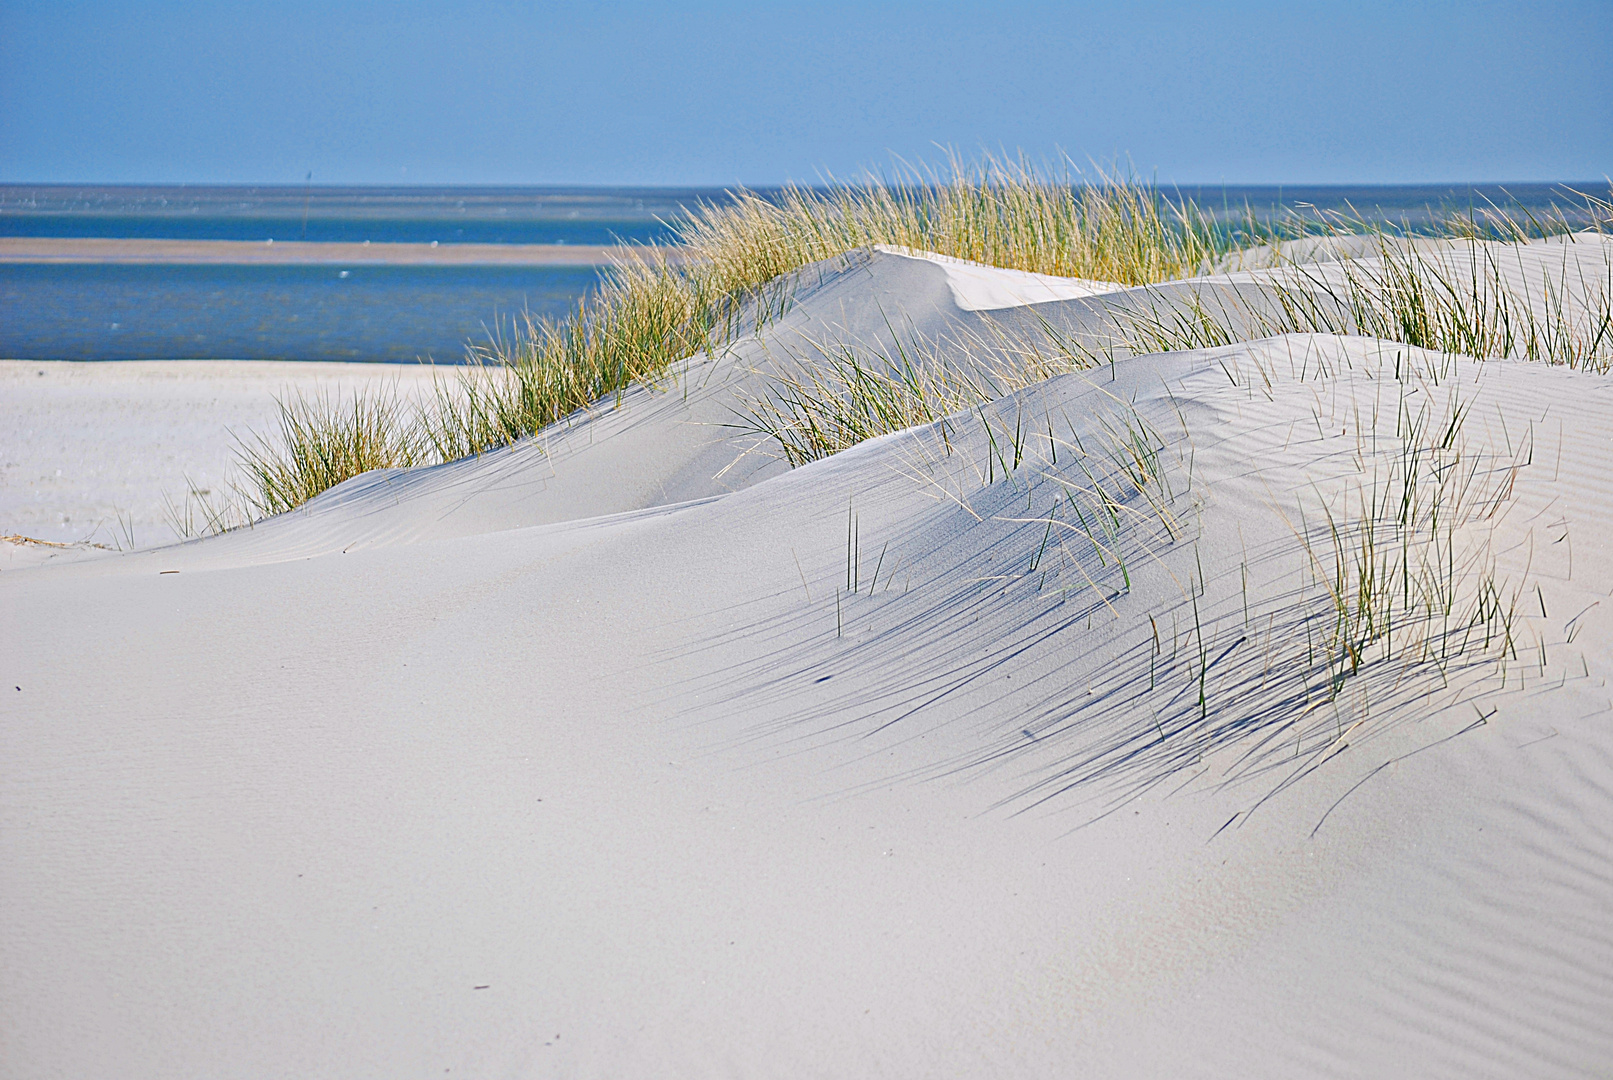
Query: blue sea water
point(126, 312)
point(389, 313)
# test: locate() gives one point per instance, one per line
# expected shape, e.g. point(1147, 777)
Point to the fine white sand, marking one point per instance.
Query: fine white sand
point(990, 288)
point(629, 752)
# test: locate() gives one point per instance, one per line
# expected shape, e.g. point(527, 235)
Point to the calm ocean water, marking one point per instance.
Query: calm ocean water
point(401, 313)
point(123, 312)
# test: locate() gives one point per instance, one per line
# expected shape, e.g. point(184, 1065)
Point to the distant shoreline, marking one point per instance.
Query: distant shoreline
point(47, 250)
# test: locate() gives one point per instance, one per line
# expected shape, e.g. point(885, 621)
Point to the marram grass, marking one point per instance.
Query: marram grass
point(324, 441)
point(1456, 299)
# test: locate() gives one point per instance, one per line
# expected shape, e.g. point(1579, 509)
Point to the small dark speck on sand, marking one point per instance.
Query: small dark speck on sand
point(481, 987)
point(826, 678)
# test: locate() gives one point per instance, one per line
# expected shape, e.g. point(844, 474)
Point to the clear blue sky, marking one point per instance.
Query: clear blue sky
point(705, 93)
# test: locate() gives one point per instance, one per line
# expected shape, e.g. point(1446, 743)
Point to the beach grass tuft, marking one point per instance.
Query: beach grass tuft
point(323, 441)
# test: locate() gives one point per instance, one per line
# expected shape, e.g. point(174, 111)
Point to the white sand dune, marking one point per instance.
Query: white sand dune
point(630, 752)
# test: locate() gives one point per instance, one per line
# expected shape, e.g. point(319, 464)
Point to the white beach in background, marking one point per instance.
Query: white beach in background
point(627, 751)
point(95, 453)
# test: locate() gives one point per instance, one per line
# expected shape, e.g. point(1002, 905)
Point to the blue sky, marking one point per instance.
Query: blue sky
point(759, 93)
